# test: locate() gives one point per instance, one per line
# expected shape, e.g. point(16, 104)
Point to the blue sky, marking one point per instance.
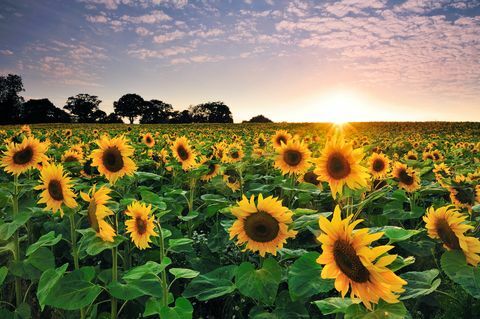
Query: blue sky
point(289, 60)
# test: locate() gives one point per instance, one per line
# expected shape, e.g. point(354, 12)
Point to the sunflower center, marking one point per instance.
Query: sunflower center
point(261, 142)
point(70, 159)
point(24, 156)
point(405, 178)
point(447, 235)
point(311, 178)
point(149, 140)
point(349, 263)
point(378, 165)
point(412, 157)
point(211, 169)
point(141, 225)
point(465, 195)
point(338, 166)
point(182, 153)
point(235, 154)
point(55, 189)
point(292, 157)
point(261, 227)
point(92, 217)
point(281, 139)
point(112, 159)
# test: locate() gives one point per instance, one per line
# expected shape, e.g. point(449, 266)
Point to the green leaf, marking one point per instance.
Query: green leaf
point(183, 273)
point(3, 274)
point(183, 310)
point(420, 283)
point(455, 266)
point(48, 279)
point(212, 285)
point(148, 285)
point(191, 215)
point(152, 307)
point(48, 239)
point(304, 211)
point(96, 245)
point(261, 284)
point(382, 311)
point(335, 304)
point(8, 229)
point(304, 278)
point(396, 234)
point(179, 244)
point(23, 311)
point(150, 267)
point(75, 290)
point(401, 262)
point(154, 199)
point(41, 259)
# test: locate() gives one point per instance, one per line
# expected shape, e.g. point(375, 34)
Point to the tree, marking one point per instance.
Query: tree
point(130, 106)
point(112, 118)
point(156, 111)
point(10, 101)
point(259, 119)
point(84, 108)
point(211, 112)
point(181, 117)
point(42, 111)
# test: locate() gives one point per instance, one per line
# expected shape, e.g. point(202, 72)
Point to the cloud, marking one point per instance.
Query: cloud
point(143, 32)
point(6, 52)
point(97, 19)
point(155, 16)
point(166, 37)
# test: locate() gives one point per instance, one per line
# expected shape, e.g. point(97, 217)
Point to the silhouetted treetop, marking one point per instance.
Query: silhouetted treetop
point(42, 111)
point(155, 111)
point(211, 112)
point(259, 119)
point(84, 108)
point(129, 106)
point(10, 102)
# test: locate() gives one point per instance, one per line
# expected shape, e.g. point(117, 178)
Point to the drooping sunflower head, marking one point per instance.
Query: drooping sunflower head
point(141, 224)
point(112, 158)
point(263, 226)
point(379, 165)
point(18, 158)
point(311, 178)
point(339, 165)
point(183, 152)
point(349, 259)
point(427, 156)
point(213, 170)
point(56, 189)
point(148, 140)
point(232, 179)
point(261, 141)
point(72, 156)
point(293, 157)
point(281, 136)
point(441, 171)
point(97, 212)
point(406, 177)
point(449, 225)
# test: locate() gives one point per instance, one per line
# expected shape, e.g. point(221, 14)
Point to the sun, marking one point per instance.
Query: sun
point(342, 107)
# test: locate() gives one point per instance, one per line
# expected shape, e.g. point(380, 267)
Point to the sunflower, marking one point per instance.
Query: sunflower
point(183, 152)
point(354, 265)
point(232, 179)
point(262, 226)
point(112, 158)
point(98, 211)
point(56, 186)
point(213, 170)
point(261, 141)
point(281, 136)
point(148, 140)
point(72, 156)
point(311, 178)
point(141, 224)
point(379, 165)
point(293, 157)
point(411, 156)
point(67, 133)
point(428, 156)
point(19, 158)
point(406, 177)
point(339, 165)
point(233, 154)
point(448, 225)
point(462, 192)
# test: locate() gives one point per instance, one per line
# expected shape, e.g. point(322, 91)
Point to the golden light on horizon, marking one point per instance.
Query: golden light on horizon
point(342, 106)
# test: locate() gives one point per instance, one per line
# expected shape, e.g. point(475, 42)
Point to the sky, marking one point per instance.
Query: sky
point(296, 61)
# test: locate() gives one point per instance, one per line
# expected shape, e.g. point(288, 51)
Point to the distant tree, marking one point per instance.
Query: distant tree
point(42, 111)
point(84, 108)
point(181, 117)
point(259, 119)
point(155, 111)
point(10, 102)
point(129, 106)
point(211, 112)
point(112, 118)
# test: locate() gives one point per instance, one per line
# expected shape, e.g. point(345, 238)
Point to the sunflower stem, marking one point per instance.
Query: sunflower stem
point(164, 272)
point(73, 238)
point(16, 243)
point(113, 313)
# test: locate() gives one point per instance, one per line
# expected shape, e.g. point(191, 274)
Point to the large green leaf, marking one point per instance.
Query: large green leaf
point(420, 283)
point(8, 229)
point(183, 273)
point(3, 274)
point(150, 267)
point(335, 304)
point(382, 311)
point(212, 285)
point(49, 239)
point(260, 284)
point(148, 285)
point(304, 277)
point(396, 234)
point(183, 310)
point(455, 266)
point(49, 279)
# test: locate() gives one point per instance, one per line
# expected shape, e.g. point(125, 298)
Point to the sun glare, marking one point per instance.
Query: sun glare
point(341, 107)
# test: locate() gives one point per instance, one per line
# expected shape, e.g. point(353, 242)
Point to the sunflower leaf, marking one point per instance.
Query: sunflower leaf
point(455, 266)
point(48, 239)
point(420, 283)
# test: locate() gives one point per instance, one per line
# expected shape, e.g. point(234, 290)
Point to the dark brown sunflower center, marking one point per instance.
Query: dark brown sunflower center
point(436, 156)
point(378, 165)
point(465, 195)
point(412, 157)
point(311, 178)
point(349, 263)
point(338, 166)
point(281, 139)
point(261, 142)
point(232, 179)
point(92, 217)
point(429, 156)
point(24, 156)
point(405, 178)
point(112, 159)
point(182, 153)
point(211, 168)
point(235, 154)
point(447, 235)
point(70, 158)
point(292, 157)
point(55, 189)
point(261, 227)
point(148, 140)
point(141, 225)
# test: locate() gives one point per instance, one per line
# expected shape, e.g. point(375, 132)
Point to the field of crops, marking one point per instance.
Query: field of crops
point(376, 220)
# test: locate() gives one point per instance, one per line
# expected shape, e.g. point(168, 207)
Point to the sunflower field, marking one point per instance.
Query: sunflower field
point(362, 220)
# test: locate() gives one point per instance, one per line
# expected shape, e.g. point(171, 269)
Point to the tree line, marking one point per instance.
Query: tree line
point(84, 108)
